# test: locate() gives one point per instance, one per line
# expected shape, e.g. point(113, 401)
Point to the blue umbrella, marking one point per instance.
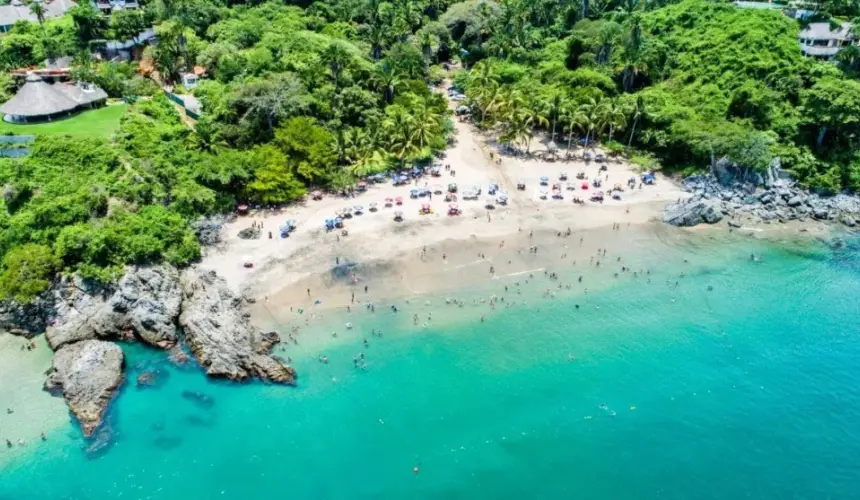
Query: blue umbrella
point(544, 179)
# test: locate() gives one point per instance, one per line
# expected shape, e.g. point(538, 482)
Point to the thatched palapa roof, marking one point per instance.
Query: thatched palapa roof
point(38, 98)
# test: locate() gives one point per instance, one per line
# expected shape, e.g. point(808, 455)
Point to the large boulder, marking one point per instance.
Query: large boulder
point(693, 213)
point(87, 374)
point(218, 330)
point(144, 304)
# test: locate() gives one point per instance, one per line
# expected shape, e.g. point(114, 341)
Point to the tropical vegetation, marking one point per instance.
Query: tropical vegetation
point(316, 94)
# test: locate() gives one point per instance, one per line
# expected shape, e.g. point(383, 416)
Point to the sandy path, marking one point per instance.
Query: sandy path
point(279, 263)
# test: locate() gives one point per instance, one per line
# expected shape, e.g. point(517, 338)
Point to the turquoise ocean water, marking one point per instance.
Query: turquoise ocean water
point(748, 390)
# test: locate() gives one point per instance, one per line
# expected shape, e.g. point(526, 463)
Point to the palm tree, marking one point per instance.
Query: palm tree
point(387, 78)
point(38, 10)
point(426, 42)
point(574, 120)
point(483, 74)
point(336, 57)
point(552, 107)
point(525, 120)
point(592, 110)
point(614, 117)
point(399, 127)
point(488, 99)
point(426, 126)
point(638, 111)
point(634, 59)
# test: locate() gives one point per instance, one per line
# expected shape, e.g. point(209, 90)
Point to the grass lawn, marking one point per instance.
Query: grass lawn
point(101, 122)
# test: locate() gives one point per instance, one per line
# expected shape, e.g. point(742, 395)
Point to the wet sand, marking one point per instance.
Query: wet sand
point(33, 410)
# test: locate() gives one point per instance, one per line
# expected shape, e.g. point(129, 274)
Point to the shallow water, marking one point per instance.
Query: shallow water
point(751, 389)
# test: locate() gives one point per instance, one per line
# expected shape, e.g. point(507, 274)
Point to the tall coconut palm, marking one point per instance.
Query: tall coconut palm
point(337, 58)
point(488, 99)
point(592, 110)
point(574, 119)
point(399, 128)
point(637, 112)
point(552, 106)
point(483, 74)
point(38, 10)
point(426, 126)
point(387, 78)
point(526, 119)
point(614, 117)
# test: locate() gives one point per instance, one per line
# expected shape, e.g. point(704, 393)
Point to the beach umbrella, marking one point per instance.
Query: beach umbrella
point(584, 185)
point(413, 192)
point(388, 200)
point(544, 179)
point(372, 204)
point(358, 208)
point(425, 206)
point(362, 184)
point(399, 199)
point(552, 146)
point(453, 206)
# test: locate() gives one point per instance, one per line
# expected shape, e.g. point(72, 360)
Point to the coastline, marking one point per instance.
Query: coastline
point(381, 261)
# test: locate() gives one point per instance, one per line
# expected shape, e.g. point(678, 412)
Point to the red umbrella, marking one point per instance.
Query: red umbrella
point(425, 206)
point(585, 185)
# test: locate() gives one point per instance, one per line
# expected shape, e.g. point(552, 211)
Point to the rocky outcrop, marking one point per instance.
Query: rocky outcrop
point(142, 305)
point(148, 304)
point(219, 332)
point(693, 214)
point(766, 198)
point(27, 320)
point(87, 374)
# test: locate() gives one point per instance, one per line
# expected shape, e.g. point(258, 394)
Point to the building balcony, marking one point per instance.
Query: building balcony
point(815, 51)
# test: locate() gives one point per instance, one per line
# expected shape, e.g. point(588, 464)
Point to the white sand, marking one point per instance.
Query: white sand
point(35, 411)
point(279, 263)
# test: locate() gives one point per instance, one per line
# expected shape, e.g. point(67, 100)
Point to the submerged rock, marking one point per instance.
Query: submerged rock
point(218, 331)
point(87, 374)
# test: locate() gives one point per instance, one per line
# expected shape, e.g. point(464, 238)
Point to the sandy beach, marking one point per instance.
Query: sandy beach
point(280, 265)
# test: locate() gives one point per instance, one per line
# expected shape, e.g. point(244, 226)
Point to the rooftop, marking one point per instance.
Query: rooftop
point(822, 31)
point(38, 98)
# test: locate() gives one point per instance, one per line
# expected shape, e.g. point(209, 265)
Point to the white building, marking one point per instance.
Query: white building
point(819, 40)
